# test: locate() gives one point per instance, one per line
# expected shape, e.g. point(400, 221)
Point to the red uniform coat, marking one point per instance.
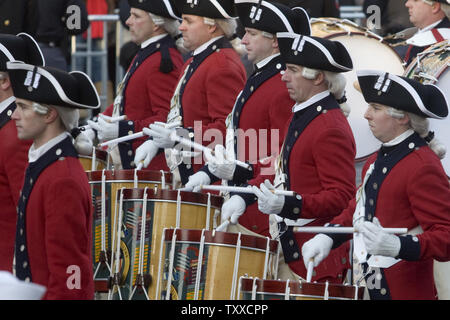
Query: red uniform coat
point(147, 99)
point(13, 162)
point(59, 231)
point(265, 114)
point(321, 170)
point(415, 192)
point(209, 95)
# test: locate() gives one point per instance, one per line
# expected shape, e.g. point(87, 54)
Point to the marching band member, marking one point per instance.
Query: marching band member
point(53, 245)
point(317, 159)
point(13, 152)
point(262, 107)
point(145, 92)
point(206, 90)
point(404, 186)
point(431, 17)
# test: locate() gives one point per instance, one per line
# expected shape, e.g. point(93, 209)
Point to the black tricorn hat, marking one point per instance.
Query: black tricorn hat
point(215, 9)
point(442, 1)
point(53, 86)
point(314, 52)
point(398, 92)
point(21, 47)
point(163, 8)
point(272, 17)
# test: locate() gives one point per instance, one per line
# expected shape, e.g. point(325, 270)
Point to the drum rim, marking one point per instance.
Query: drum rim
point(170, 195)
point(221, 238)
point(99, 154)
point(128, 174)
point(413, 65)
point(307, 289)
point(366, 34)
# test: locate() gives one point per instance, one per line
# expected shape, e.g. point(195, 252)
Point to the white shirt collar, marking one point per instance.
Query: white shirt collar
point(205, 45)
point(431, 26)
point(149, 41)
point(310, 101)
point(5, 103)
point(399, 139)
point(265, 61)
point(35, 154)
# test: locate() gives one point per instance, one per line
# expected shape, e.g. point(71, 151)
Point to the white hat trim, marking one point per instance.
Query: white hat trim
point(36, 45)
point(54, 82)
point(316, 44)
point(170, 10)
point(221, 9)
point(7, 53)
point(274, 9)
point(408, 88)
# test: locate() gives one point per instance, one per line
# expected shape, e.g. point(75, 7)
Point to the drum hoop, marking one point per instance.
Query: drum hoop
point(128, 175)
point(172, 201)
point(330, 297)
point(101, 155)
point(225, 238)
point(171, 196)
point(278, 287)
point(227, 245)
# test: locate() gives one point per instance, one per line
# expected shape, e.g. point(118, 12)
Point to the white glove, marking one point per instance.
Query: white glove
point(196, 180)
point(268, 202)
point(161, 135)
point(316, 249)
point(105, 130)
point(233, 209)
point(221, 164)
point(83, 143)
point(379, 242)
point(145, 153)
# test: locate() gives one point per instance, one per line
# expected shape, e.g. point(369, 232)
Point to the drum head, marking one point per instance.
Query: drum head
point(366, 53)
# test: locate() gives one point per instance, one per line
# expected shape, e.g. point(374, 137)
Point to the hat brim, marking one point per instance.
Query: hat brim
point(34, 53)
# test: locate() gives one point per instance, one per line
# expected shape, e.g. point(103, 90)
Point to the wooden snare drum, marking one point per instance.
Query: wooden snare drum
point(203, 264)
point(138, 239)
point(98, 161)
point(368, 51)
point(260, 289)
point(104, 187)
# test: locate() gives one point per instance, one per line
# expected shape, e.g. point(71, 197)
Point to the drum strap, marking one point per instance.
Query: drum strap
point(63, 149)
point(437, 35)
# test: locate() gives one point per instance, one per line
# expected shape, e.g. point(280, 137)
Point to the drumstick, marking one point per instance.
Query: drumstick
point(244, 189)
point(310, 270)
point(202, 148)
point(122, 139)
point(130, 137)
point(348, 230)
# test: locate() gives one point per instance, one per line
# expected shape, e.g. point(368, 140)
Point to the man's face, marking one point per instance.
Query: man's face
point(195, 31)
point(30, 125)
point(419, 13)
point(258, 47)
point(298, 87)
point(140, 24)
point(383, 126)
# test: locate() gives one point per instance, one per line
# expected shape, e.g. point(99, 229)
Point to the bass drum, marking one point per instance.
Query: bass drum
point(368, 51)
point(431, 66)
